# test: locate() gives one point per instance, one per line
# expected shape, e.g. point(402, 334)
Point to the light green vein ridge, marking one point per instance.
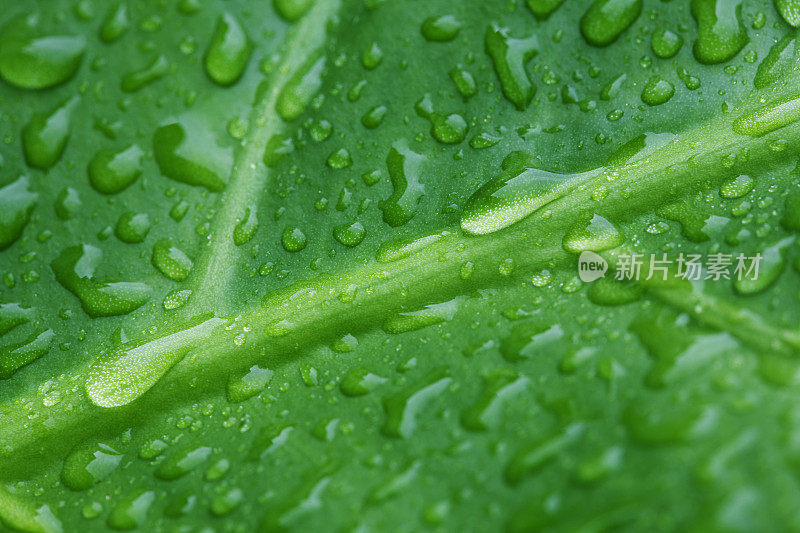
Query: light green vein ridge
point(249, 175)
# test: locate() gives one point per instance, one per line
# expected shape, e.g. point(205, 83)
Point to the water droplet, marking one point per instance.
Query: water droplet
point(171, 260)
point(74, 270)
point(783, 58)
point(268, 440)
point(372, 56)
point(737, 187)
point(464, 81)
point(605, 291)
point(227, 502)
point(791, 213)
point(640, 147)
point(448, 129)
point(292, 10)
point(278, 147)
point(67, 204)
point(339, 159)
point(509, 56)
point(514, 194)
point(721, 32)
point(596, 234)
point(16, 204)
point(404, 170)
point(12, 315)
point(403, 408)
point(112, 171)
point(662, 423)
point(359, 381)
point(247, 226)
point(15, 356)
point(397, 249)
point(152, 72)
point(657, 91)
point(30, 60)
point(533, 456)
point(350, 234)
point(443, 28)
point(115, 24)
point(89, 464)
point(185, 151)
point(301, 88)
point(790, 11)
point(131, 511)
point(120, 377)
point(132, 227)
point(228, 52)
point(528, 338)
point(666, 43)
point(45, 136)
point(177, 298)
point(421, 318)
point(374, 116)
point(543, 8)
point(771, 266)
point(293, 239)
point(244, 386)
point(768, 118)
point(605, 20)
point(500, 385)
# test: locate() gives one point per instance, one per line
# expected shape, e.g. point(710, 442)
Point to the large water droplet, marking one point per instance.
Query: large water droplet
point(605, 20)
point(783, 58)
point(32, 61)
point(301, 88)
point(228, 52)
point(422, 318)
point(123, 375)
point(45, 136)
point(721, 32)
point(171, 260)
point(186, 151)
point(509, 56)
point(247, 226)
point(16, 204)
point(514, 194)
point(543, 8)
point(15, 356)
point(89, 464)
point(131, 511)
point(768, 118)
point(790, 11)
point(443, 28)
point(115, 24)
point(404, 170)
point(74, 270)
point(292, 10)
point(152, 72)
point(403, 408)
point(182, 462)
point(770, 267)
point(244, 386)
point(112, 171)
point(595, 235)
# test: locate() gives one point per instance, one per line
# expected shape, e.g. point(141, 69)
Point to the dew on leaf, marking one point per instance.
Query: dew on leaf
point(421, 318)
point(131, 511)
point(293, 239)
point(509, 56)
point(132, 227)
point(74, 269)
point(534, 456)
point(543, 8)
point(770, 267)
point(790, 11)
point(657, 91)
point(737, 187)
point(350, 234)
point(374, 116)
point(666, 43)
point(605, 20)
point(406, 406)
point(278, 147)
point(781, 60)
point(45, 136)
point(405, 167)
point(372, 56)
point(721, 33)
point(464, 81)
point(185, 151)
point(292, 10)
point(152, 72)
point(115, 24)
point(245, 385)
point(30, 60)
point(89, 464)
point(16, 204)
point(302, 87)
point(228, 51)
point(171, 260)
point(15, 356)
point(246, 228)
point(339, 159)
point(440, 29)
point(112, 171)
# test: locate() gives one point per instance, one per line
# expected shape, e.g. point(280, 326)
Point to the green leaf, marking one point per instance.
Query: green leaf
point(314, 265)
